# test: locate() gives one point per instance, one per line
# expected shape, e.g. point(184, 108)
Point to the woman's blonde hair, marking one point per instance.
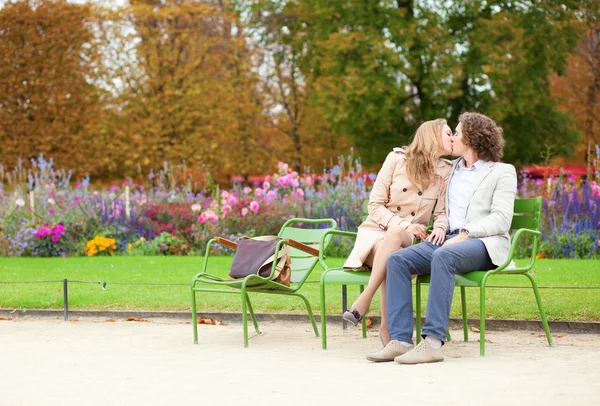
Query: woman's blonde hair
point(422, 153)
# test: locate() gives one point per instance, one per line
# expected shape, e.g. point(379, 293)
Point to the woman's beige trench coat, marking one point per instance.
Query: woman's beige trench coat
point(394, 199)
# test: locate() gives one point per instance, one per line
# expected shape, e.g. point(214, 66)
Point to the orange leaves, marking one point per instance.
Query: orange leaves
point(137, 319)
point(211, 322)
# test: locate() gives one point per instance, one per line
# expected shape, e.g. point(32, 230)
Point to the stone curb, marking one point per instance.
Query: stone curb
point(455, 323)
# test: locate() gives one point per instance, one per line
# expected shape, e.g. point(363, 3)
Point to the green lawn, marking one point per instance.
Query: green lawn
point(138, 272)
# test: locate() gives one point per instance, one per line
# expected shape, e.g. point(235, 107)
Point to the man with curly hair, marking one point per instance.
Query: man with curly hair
point(480, 202)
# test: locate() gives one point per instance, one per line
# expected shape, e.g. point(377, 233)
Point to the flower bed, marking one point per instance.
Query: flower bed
point(44, 213)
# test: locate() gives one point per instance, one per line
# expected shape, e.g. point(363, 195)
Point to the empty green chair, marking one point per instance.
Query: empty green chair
point(304, 259)
point(526, 220)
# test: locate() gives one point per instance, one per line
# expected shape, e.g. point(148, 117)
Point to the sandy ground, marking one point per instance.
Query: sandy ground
point(95, 362)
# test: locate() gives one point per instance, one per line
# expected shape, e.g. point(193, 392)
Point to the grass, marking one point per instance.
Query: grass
point(162, 283)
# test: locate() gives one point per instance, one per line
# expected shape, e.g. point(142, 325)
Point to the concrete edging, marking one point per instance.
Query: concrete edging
point(455, 323)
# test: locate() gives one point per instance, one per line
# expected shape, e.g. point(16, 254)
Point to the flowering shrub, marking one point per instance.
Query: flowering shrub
point(100, 246)
point(49, 242)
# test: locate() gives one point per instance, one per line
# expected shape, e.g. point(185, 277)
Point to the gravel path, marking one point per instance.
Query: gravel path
point(99, 362)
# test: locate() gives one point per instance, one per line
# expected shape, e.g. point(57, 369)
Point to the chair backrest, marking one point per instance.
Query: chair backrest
point(528, 214)
point(309, 232)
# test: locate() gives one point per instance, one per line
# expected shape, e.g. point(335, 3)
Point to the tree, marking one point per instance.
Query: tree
point(48, 100)
point(377, 69)
point(579, 89)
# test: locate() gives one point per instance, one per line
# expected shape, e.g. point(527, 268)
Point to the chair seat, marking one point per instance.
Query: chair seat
point(341, 276)
point(253, 285)
point(469, 279)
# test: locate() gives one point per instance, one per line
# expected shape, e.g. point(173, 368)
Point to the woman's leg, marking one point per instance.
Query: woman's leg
point(395, 238)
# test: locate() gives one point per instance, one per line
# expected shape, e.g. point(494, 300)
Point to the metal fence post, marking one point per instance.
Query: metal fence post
point(66, 298)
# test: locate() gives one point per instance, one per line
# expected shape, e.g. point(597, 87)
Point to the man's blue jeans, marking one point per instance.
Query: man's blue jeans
point(443, 263)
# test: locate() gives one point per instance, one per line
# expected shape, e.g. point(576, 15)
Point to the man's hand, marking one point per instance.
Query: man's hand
point(437, 236)
point(459, 238)
point(418, 230)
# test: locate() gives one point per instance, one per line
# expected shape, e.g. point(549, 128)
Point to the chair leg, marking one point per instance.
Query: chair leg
point(482, 318)
point(194, 316)
point(310, 312)
point(344, 305)
point(254, 321)
point(364, 319)
point(323, 316)
point(244, 317)
point(538, 299)
point(418, 309)
point(463, 302)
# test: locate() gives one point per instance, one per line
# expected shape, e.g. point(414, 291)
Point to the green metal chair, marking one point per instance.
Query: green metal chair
point(341, 276)
point(308, 243)
point(526, 220)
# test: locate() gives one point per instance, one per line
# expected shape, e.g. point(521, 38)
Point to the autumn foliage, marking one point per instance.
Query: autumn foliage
point(233, 87)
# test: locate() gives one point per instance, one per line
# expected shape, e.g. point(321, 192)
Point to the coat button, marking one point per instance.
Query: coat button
point(412, 214)
point(398, 208)
point(420, 193)
point(404, 190)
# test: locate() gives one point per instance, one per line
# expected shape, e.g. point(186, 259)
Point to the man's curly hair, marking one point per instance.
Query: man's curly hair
point(483, 135)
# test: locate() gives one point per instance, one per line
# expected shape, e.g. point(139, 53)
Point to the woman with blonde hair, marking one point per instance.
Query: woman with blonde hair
point(410, 186)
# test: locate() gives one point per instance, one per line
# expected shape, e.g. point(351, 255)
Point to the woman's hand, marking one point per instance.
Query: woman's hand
point(437, 236)
point(418, 230)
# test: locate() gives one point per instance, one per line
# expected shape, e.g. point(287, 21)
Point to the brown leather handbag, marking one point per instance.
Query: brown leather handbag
point(255, 256)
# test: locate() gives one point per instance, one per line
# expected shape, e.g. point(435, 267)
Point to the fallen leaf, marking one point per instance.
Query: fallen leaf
point(369, 322)
point(110, 321)
point(454, 356)
point(474, 329)
point(558, 335)
point(75, 320)
point(137, 319)
point(211, 322)
point(185, 322)
point(6, 318)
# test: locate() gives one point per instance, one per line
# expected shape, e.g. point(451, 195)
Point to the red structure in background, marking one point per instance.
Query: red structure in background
point(534, 171)
point(568, 170)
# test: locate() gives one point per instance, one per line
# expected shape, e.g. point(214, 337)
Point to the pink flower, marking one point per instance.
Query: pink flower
point(271, 195)
point(258, 192)
point(308, 181)
point(232, 200)
point(20, 202)
point(202, 218)
point(247, 190)
point(212, 216)
point(282, 181)
point(55, 238)
point(300, 192)
point(244, 212)
point(268, 178)
point(254, 206)
point(280, 165)
point(224, 194)
point(51, 211)
point(43, 232)
point(294, 183)
point(196, 207)
point(266, 185)
point(58, 229)
point(225, 210)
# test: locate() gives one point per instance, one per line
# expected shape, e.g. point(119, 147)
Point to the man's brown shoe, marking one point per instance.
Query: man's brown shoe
point(388, 353)
point(421, 354)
